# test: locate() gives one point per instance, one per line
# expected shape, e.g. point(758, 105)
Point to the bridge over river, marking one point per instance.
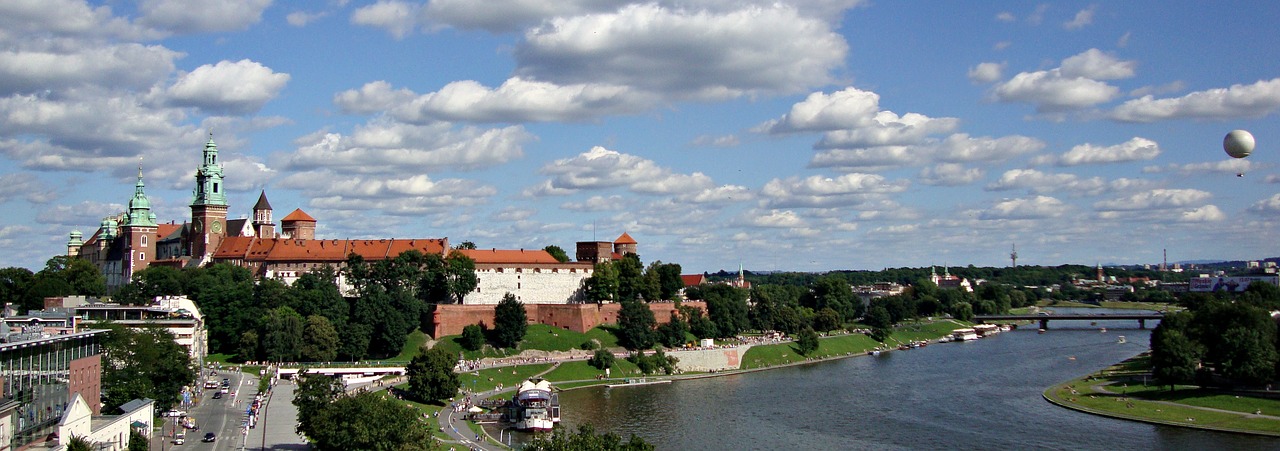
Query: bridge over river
point(1045, 318)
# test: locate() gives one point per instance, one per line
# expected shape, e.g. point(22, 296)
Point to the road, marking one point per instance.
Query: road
point(226, 417)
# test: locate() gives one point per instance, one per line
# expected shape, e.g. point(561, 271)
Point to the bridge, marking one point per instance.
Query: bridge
point(1044, 319)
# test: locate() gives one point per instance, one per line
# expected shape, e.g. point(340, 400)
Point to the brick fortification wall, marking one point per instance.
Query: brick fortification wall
point(449, 319)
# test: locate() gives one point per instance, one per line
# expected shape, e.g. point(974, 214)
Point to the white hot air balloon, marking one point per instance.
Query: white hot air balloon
point(1238, 143)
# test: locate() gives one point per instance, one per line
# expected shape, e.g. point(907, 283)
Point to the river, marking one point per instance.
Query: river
point(979, 394)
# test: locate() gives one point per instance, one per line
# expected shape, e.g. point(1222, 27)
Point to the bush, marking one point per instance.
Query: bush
point(601, 360)
point(588, 345)
point(472, 337)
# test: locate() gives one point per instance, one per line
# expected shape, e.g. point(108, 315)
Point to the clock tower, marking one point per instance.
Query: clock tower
point(208, 207)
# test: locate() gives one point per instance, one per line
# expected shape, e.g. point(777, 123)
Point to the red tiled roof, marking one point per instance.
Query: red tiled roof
point(624, 239)
point(164, 230)
point(282, 249)
point(693, 279)
point(298, 215)
point(491, 256)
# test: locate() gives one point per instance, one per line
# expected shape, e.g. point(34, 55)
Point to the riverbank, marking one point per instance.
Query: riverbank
point(1124, 391)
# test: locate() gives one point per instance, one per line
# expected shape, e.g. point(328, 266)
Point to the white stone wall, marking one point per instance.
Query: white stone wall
point(530, 285)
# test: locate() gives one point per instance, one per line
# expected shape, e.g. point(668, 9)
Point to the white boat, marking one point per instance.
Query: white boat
point(536, 408)
point(964, 334)
point(639, 381)
point(986, 330)
point(1121, 340)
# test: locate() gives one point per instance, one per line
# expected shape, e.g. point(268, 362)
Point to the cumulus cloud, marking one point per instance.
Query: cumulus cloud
point(1269, 206)
point(950, 174)
point(409, 195)
point(389, 147)
point(699, 54)
point(1156, 199)
point(1082, 18)
point(716, 141)
point(302, 18)
point(517, 100)
point(44, 66)
point(1038, 207)
point(180, 16)
point(828, 192)
point(373, 97)
point(1135, 149)
point(239, 87)
point(596, 203)
point(962, 148)
point(1074, 85)
point(68, 18)
point(985, 73)
point(1207, 213)
point(27, 187)
point(396, 17)
point(772, 219)
point(1235, 102)
point(1227, 166)
point(601, 168)
point(868, 159)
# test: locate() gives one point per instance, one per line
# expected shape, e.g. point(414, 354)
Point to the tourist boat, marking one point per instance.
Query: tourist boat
point(536, 407)
point(986, 330)
point(964, 334)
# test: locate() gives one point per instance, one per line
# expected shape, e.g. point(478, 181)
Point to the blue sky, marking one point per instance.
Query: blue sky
point(829, 134)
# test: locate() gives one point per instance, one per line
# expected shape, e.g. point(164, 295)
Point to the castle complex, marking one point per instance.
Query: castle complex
point(133, 240)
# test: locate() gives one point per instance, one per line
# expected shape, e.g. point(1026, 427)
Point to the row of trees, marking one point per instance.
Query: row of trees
point(61, 276)
point(332, 419)
point(1221, 339)
point(627, 279)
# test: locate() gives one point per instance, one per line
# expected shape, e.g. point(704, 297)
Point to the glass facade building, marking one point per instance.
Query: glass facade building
point(41, 372)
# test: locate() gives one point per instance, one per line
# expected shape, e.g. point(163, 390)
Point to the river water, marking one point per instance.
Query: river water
point(984, 393)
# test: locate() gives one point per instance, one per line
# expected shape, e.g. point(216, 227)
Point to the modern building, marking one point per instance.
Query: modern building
point(40, 375)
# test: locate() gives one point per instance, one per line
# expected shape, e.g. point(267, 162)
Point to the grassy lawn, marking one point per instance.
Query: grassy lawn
point(926, 331)
point(573, 371)
point(538, 336)
point(412, 344)
point(510, 376)
point(1116, 394)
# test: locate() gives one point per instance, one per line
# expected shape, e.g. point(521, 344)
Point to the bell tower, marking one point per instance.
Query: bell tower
point(208, 207)
point(262, 225)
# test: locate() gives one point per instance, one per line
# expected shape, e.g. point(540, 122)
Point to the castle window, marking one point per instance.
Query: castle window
point(215, 188)
point(142, 256)
point(144, 241)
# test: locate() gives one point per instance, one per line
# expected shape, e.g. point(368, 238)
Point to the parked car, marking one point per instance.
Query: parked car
point(209, 437)
point(175, 413)
point(217, 395)
point(179, 439)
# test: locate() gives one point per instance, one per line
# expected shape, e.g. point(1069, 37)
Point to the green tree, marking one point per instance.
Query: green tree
point(14, 282)
point(631, 282)
point(727, 308)
point(249, 345)
point(460, 275)
point(314, 394)
point(672, 333)
point(79, 443)
point(835, 292)
point(1250, 355)
point(635, 325)
point(602, 286)
point(466, 245)
point(143, 363)
point(878, 316)
point(509, 322)
point(880, 334)
point(320, 340)
point(962, 311)
point(586, 439)
point(557, 253)
point(1173, 357)
point(149, 283)
point(137, 441)
point(806, 341)
point(224, 294)
point(669, 281)
point(282, 336)
point(601, 360)
point(368, 421)
point(826, 320)
point(431, 376)
point(472, 337)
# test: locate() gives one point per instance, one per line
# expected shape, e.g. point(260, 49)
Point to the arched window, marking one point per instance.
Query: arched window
point(144, 241)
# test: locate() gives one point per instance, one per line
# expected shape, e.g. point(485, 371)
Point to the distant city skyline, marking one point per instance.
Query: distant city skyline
point(805, 136)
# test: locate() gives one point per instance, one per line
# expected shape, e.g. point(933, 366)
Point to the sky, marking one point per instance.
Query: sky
point(773, 135)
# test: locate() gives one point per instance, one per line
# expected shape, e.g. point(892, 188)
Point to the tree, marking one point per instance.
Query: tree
point(806, 341)
point(249, 345)
point(431, 376)
point(601, 360)
point(835, 292)
point(368, 421)
point(319, 340)
point(727, 308)
point(635, 325)
point(586, 439)
point(460, 275)
point(282, 335)
point(672, 333)
point(1173, 357)
point(466, 245)
point(509, 322)
point(880, 334)
point(557, 253)
point(602, 286)
point(472, 337)
point(143, 363)
point(826, 320)
point(1250, 356)
point(878, 316)
point(137, 441)
point(149, 283)
point(314, 393)
point(79, 443)
point(669, 281)
point(631, 283)
point(962, 311)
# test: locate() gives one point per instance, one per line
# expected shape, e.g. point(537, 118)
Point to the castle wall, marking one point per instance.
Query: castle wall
point(449, 319)
point(531, 284)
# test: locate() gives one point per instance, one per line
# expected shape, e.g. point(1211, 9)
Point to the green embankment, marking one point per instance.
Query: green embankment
point(1120, 392)
point(537, 337)
point(764, 356)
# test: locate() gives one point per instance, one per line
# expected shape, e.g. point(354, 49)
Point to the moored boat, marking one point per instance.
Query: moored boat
point(535, 406)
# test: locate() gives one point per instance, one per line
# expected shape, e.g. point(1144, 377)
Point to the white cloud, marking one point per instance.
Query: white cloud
point(1156, 199)
point(961, 148)
point(1134, 149)
point(45, 66)
point(596, 203)
point(868, 159)
point(827, 192)
point(1236, 102)
point(1269, 206)
point(716, 141)
point(66, 18)
point(1227, 166)
point(685, 54)
point(1038, 207)
point(388, 147)
point(1005, 16)
point(27, 187)
point(521, 100)
point(396, 17)
point(950, 174)
point(985, 73)
point(1082, 18)
point(601, 168)
point(773, 219)
point(241, 87)
point(852, 118)
point(1072, 86)
point(1207, 213)
point(373, 97)
point(180, 16)
point(302, 18)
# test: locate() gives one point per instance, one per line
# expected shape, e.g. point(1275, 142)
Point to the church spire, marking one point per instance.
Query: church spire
point(209, 187)
point(140, 207)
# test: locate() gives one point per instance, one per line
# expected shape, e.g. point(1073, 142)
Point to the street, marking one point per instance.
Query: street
point(225, 417)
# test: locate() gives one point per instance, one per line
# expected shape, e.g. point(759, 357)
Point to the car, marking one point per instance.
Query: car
point(175, 413)
point(179, 439)
point(217, 395)
point(209, 437)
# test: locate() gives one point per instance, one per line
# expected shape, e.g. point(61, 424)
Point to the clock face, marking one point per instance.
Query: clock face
point(216, 227)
